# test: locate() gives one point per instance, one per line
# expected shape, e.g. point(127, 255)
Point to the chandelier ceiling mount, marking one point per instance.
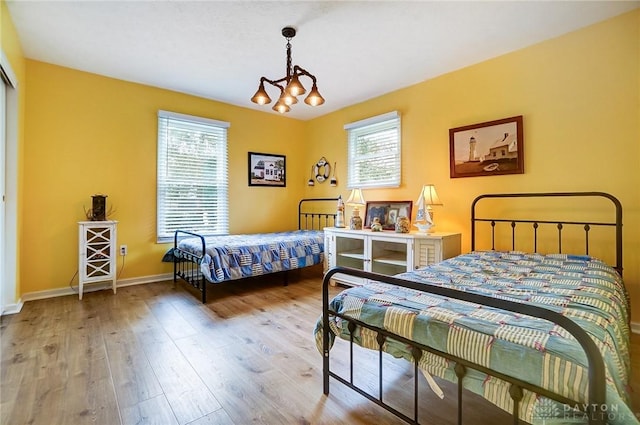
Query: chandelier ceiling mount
point(289, 85)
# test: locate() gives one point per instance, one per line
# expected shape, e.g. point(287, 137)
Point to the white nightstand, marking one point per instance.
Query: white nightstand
point(97, 256)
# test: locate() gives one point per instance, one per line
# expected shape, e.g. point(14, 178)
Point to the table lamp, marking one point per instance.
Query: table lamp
point(356, 200)
point(424, 217)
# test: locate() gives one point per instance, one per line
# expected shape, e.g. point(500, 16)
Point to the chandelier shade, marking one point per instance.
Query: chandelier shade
point(314, 98)
point(289, 99)
point(261, 97)
point(295, 88)
point(281, 107)
point(289, 85)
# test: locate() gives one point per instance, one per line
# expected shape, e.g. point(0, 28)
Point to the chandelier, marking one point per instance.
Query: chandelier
point(289, 85)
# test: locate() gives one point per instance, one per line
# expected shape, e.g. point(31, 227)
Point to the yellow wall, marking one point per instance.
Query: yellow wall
point(88, 134)
point(10, 44)
point(580, 98)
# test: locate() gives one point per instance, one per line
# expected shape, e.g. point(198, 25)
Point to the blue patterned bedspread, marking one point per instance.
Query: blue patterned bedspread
point(582, 288)
point(239, 256)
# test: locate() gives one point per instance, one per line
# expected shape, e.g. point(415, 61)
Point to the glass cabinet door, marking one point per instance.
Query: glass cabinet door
point(350, 252)
point(388, 257)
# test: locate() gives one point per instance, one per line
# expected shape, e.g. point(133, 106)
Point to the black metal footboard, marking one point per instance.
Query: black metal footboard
point(186, 265)
point(596, 374)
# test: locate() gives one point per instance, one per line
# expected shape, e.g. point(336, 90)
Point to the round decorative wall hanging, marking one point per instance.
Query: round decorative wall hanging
point(322, 170)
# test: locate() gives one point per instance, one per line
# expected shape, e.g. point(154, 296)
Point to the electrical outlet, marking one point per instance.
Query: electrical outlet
point(123, 250)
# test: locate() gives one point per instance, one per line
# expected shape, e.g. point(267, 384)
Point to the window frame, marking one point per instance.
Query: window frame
point(381, 123)
point(168, 174)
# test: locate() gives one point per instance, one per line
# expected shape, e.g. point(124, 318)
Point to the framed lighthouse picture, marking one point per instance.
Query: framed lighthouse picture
point(487, 149)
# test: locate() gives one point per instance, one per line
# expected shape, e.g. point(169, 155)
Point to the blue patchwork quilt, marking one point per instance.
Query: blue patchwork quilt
point(582, 288)
point(238, 256)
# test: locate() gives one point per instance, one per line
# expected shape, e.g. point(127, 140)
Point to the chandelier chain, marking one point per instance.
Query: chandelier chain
point(289, 69)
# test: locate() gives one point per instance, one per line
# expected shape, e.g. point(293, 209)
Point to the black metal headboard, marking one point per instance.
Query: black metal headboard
point(559, 224)
point(317, 213)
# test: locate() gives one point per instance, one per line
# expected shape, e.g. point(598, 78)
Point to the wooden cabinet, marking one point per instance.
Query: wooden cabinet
point(97, 256)
point(387, 252)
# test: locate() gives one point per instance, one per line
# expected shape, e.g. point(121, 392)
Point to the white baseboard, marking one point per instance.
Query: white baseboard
point(90, 287)
point(12, 308)
point(144, 279)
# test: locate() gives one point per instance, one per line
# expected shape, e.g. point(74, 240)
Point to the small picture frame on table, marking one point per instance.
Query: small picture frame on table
point(387, 212)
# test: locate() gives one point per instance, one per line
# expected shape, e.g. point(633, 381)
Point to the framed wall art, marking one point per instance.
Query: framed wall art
point(267, 169)
point(388, 213)
point(487, 149)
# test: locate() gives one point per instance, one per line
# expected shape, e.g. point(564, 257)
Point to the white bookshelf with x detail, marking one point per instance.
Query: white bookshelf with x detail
point(97, 259)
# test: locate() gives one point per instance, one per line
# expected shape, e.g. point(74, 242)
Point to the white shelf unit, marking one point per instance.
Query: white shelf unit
point(97, 253)
point(386, 252)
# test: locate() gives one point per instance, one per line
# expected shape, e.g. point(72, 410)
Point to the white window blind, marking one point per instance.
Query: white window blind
point(192, 179)
point(374, 152)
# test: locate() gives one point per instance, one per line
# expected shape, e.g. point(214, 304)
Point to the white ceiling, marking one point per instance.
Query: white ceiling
point(357, 50)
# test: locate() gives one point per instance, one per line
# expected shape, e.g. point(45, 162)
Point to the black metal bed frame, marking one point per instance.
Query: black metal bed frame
point(596, 374)
point(186, 265)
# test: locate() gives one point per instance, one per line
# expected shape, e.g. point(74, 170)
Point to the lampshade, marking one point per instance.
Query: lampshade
point(314, 98)
point(289, 99)
point(295, 88)
point(356, 199)
point(261, 97)
point(429, 195)
point(281, 107)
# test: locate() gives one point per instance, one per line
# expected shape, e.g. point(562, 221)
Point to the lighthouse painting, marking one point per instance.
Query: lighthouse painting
point(489, 148)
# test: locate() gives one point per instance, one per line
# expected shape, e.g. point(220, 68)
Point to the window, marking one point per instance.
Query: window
point(192, 182)
point(374, 152)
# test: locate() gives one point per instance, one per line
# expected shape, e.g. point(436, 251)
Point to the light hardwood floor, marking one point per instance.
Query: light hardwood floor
point(153, 354)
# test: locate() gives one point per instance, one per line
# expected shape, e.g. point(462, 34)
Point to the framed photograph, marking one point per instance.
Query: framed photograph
point(487, 149)
point(388, 213)
point(267, 169)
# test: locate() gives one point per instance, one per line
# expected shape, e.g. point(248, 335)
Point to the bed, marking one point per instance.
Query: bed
point(199, 259)
point(476, 319)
